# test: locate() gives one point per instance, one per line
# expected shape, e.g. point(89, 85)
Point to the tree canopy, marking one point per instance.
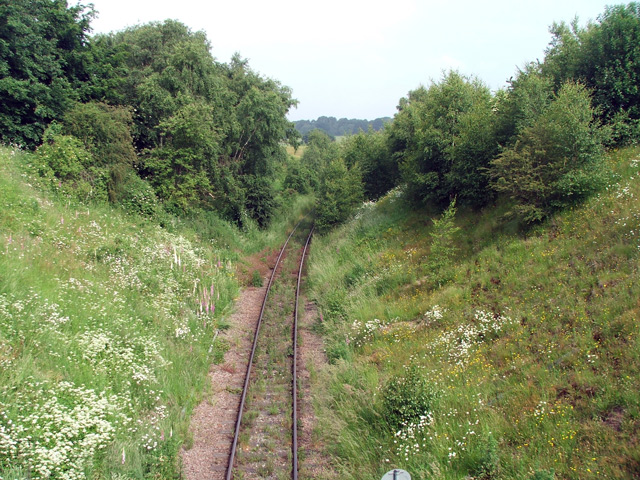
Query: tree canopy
point(149, 109)
point(45, 63)
point(151, 99)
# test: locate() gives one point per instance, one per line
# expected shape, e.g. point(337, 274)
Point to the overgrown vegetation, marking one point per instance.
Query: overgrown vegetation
point(106, 328)
point(526, 364)
point(148, 102)
point(479, 306)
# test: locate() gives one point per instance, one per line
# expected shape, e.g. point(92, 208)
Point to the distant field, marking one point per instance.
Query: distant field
point(296, 153)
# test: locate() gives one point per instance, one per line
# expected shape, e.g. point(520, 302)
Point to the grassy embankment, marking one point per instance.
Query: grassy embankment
point(106, 329)
point(518, 359)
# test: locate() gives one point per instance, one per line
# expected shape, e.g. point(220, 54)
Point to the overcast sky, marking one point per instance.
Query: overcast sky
point(357, 58)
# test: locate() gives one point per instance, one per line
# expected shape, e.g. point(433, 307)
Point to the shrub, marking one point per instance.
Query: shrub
point(62, 156)
point(407, 398)
point(138, 196)
point(256, 279)
point(297, 177)
point(443, 138)
point(487, 462)
point(442, 247)
point(67, 166)
point(104, 130)
point(261, 202)
point(340, 192)
point(555, 162)
point(338, 351)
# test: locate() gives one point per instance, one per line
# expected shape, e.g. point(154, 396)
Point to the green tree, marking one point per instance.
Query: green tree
point(611, 67)
point(297, 176)
point(201, 125)
point(320, 152)
point(605, 56)
point(44, 65)
point(260, 200)
point(257, 118)
point(556, 161)
point(527, 96)
point(104, 130)
point(184, 170)
point(105, 133)
point(164, 67)
point(442, 138)
point(340, 191)
point(370, 152)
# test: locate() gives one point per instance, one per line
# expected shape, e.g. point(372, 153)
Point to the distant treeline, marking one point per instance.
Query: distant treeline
point(337, 128)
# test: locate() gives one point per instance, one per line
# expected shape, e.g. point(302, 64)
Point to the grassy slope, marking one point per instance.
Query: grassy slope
point(531, 350)
point(103, 346)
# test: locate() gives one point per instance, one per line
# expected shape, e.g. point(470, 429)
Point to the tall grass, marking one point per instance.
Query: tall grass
point(530, 347)
point(106, 328)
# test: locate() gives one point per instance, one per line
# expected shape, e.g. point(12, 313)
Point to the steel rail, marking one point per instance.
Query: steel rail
point(234, 445)
point(294, 382)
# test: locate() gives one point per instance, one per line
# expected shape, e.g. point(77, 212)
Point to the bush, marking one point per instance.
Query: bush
point(104, 130)
point(338, 351)
point(340, 192)
point(297, 178)
point(256, 279)
point(261, 202)
point(443, 138)
point(557, 161)
point(443, 247)
point(487, 462)
point(405, 399)
point(138, 196)
point(62, 156)
point(67, 167)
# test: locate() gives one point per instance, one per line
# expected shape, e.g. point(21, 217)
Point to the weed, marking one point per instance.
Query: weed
point(256, 279)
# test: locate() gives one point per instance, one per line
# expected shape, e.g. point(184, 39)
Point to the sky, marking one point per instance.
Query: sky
point(357, 58)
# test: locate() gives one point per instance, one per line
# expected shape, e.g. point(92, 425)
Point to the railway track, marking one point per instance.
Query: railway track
point(265, 440)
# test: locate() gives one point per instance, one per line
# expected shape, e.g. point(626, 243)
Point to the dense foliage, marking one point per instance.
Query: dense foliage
point(151, 102)
point(604, 56)
point(45, 62)
point(370, 152)
point(443, 140)
point(557, 160)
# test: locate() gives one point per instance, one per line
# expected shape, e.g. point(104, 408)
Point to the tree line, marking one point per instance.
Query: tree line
point(539, 142)
point(338, 127)
point(148, 119)
point(140, 116)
